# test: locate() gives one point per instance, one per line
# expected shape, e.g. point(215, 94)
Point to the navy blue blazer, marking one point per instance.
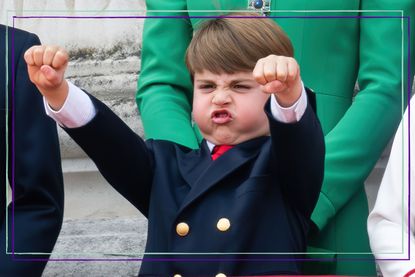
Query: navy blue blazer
point(264, 190)
point(33, 161)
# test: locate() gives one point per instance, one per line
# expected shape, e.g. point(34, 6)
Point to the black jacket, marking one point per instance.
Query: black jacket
point(264, 190)
point(34, 166)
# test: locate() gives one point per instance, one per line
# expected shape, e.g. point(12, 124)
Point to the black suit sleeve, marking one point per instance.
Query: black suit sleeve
point(35, 218)
point(298, 155)
point(121, 156)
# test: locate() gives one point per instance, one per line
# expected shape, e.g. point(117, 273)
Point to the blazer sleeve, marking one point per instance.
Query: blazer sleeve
point(388, 222)
point(357, 141)
point(298, 159)
point(165, 90)
point(35, 172)
point(121, 156)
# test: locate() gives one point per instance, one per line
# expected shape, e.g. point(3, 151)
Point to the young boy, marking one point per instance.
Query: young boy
point(242, 213)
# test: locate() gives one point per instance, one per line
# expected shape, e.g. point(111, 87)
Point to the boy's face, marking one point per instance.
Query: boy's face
point(229, 108)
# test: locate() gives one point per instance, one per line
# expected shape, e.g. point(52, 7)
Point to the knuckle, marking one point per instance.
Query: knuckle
point(281, 73)
point(256, 75)
point(37, 50)
point(282, 76)
point(62, 54)
point(269, 75)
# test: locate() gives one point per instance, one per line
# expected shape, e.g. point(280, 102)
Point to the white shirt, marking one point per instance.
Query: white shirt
point(78, 109)
point(388, 222)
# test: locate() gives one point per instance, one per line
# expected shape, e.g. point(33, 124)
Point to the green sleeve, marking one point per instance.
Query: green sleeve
point(354, 145)
point(164, 92)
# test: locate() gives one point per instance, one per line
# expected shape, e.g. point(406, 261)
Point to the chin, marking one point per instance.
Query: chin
point(219, 140)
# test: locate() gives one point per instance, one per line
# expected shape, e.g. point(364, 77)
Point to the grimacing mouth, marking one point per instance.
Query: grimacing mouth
point(221, 116)
point(221, 113)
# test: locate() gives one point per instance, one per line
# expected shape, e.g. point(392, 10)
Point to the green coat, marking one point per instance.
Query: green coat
point(333, 53)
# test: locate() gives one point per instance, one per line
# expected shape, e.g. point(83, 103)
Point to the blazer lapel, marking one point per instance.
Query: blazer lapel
point(193, 164)
point(202, 173)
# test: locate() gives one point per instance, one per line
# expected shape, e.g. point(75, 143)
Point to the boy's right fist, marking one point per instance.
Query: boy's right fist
point(46, 66)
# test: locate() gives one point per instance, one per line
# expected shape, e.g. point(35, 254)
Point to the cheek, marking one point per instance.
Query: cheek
point(255, 118)
point(199, 109)
point(253, 107)
point(253, 111)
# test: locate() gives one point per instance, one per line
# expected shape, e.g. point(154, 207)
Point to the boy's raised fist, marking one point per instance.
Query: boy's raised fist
point(46, 66)
point(280, 76)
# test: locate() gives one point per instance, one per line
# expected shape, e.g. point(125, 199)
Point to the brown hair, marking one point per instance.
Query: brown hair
point(235, 43)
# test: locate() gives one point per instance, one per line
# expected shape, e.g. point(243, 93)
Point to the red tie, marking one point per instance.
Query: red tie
point(218, 150)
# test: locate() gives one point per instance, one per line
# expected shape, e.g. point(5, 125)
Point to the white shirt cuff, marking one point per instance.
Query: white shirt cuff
point(77, 110)
point(289, 114)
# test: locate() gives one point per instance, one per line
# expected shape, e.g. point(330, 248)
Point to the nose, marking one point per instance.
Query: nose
point(221, 97)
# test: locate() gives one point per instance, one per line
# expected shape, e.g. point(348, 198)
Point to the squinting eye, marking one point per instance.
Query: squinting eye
point(206, 88)
point(241, 87)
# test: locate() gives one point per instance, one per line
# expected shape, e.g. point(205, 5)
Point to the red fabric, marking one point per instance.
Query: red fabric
point(218, 150)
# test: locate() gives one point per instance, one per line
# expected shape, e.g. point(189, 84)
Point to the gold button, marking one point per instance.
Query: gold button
point(182, 229)
point(223, 224)
point(177, 275)
point(220, 275)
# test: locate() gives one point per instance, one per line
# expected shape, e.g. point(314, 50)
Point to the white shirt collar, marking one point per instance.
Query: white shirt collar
point(210, 145)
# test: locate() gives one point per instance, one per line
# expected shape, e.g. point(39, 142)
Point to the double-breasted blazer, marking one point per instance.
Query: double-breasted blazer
point(29, 150)
point(336, 43)
point(207, 217)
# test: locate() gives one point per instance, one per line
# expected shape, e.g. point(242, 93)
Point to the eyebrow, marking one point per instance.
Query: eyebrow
point(232, 82)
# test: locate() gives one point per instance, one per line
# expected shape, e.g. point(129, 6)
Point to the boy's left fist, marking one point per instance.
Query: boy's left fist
point(279, 75)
